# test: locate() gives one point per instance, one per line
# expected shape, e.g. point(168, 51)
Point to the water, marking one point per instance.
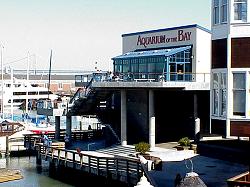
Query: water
point(37, 176)
point(32, 176)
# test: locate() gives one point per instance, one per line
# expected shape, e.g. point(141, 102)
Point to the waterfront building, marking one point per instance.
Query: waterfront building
point(230, 84)
point(161, 84)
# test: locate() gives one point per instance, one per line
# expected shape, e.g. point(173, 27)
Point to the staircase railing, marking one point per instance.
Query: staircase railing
point(113, 132)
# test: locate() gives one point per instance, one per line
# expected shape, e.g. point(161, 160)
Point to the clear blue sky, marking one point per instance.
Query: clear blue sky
point(82, 32)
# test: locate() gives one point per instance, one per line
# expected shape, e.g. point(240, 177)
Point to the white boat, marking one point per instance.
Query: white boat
point(16, 92)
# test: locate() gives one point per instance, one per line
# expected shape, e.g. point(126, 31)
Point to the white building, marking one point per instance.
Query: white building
point(230, 84)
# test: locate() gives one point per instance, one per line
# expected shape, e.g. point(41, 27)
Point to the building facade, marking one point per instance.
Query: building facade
point(163, 75)
point(230, 80)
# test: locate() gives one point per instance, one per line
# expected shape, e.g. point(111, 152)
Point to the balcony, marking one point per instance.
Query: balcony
point(185, 81)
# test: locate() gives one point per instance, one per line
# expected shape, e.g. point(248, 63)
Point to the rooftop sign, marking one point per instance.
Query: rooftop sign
point(159, 39)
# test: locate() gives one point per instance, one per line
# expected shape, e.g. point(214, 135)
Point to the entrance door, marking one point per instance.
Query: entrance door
point(180, 72)
point(172, 72)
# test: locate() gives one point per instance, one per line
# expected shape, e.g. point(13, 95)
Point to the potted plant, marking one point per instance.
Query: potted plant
point(184, 143)
point(142, 148)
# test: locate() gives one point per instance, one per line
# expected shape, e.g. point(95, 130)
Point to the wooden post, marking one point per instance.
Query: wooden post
point(97, 167)
point(107, 167)
point(38, 156)
point(7, 153)
point(127, 171)
point(89, 161)
point(74, 160)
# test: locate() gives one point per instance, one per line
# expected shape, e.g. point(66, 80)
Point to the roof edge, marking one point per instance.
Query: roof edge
point(168, 29)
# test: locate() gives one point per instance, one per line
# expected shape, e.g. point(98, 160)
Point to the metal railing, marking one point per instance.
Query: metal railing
point(31, 139)
point(156, 77)
point(241, 180)
point(127, 170)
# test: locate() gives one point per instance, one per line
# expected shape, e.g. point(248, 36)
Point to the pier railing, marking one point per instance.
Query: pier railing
point(241, 180)
point(31, 139)
point(124, 169)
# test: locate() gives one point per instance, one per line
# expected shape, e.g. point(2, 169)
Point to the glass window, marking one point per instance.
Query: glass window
point(240, 10)
point(142, 68)
point(224, 11)
point(126, 66)
point(216, 12)
point(215, 93)
point(223, 94)
point(239, 94)
point(118, 66)
point(60, 85)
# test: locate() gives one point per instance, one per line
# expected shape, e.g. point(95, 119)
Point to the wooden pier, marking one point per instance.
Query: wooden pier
point(123, 169)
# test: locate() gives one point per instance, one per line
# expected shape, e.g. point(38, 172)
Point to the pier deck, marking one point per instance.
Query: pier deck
point(127, 170)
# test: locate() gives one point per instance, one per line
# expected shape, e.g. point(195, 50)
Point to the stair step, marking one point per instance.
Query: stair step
point(118, 150)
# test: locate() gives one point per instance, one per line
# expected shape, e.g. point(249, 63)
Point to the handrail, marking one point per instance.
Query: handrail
point(30, 139)
point(159, 77)
point(239, 180)
point(150, 180)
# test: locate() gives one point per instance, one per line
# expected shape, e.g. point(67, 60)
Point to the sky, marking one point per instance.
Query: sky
point(84, 34)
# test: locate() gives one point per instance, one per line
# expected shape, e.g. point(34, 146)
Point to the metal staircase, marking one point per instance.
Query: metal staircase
point(114, 133)
point(88, 100)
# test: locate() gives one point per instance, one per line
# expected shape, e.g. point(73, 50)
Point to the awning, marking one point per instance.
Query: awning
point(162, 52)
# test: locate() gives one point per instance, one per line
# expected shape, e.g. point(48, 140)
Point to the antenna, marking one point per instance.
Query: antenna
point(49, 71)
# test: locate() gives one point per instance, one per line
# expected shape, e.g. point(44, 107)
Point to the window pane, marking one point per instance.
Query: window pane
point(215, 80)
point(240, 10)
point(239, 81)
point(223, 102)
point(224, 11)
point(216, 12)
point(223, 80)
point(215, 102)
point(239, 102)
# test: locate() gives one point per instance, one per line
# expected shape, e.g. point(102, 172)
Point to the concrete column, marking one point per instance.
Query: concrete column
point(197, 129)
point(123, 117)
point(151, 115)
point(152, 133)
point(57, 126)
point(195, 106)
point(68, 126)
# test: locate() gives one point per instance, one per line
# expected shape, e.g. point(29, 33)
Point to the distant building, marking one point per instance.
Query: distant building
point(230, 84)
point(61, 82)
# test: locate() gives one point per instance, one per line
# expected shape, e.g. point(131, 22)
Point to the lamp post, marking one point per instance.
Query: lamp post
point(2, 107)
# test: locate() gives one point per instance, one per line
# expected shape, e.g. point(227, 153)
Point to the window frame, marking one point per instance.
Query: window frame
point(239, 13)
point(216, 12)
point(219, 90)
point(237, 90)
point(224, 15)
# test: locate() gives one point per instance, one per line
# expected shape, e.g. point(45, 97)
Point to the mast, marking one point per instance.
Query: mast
point(27, 83)
point(49, 71)
point(11, 86)
point(2, 103)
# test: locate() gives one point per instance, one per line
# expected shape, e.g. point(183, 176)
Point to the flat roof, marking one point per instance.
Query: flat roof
point(168, 29)
point(162, 52)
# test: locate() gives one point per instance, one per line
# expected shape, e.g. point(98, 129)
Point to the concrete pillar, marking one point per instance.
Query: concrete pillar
point(68, 127)
point(123, 117)
point(195, 106)
point(57, 126)
point(152, 133)
point(197, 129)
point(151, 115)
